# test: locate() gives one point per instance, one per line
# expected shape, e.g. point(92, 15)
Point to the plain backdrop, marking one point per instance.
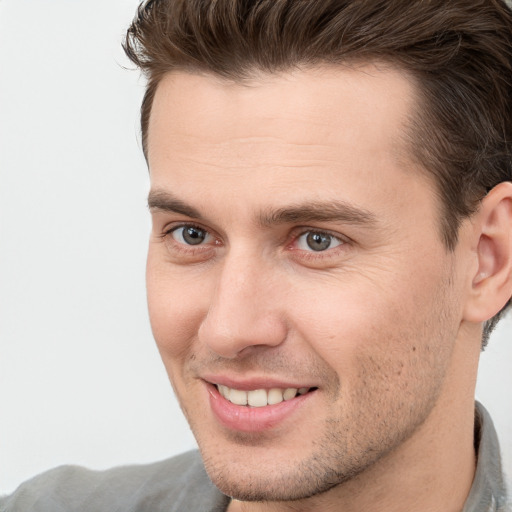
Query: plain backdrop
point(80, 378)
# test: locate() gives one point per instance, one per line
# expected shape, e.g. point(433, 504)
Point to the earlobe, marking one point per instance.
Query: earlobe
point(492, 282)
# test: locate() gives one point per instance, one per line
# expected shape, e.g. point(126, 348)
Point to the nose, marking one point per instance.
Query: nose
point(244, 312)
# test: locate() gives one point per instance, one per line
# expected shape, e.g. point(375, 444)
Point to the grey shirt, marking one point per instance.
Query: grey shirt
point(489, 490)
point(180, 484)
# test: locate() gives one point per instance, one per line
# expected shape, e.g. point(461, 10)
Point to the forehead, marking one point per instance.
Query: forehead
point(293, 133)
point(360, 105)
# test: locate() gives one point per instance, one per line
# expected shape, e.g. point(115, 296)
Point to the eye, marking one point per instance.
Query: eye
point(317, 241)
point(191, 235)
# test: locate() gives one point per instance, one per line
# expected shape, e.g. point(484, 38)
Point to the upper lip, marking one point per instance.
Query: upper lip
point(250, 384)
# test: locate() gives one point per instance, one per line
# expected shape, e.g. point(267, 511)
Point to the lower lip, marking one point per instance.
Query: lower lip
point(253, 419)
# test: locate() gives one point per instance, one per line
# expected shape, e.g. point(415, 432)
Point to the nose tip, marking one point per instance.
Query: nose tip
point(231, 335)
point(243, 313)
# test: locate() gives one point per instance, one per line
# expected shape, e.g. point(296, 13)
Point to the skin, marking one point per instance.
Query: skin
point(377, 322)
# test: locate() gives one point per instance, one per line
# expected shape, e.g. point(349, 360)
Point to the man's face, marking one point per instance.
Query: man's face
point(296, 263)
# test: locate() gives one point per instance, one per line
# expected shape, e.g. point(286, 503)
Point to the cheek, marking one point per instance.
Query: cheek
point(175, 308)
point(343, 318)
point(356, 325)
point(390, 352)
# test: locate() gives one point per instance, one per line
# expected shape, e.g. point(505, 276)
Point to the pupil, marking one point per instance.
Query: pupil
point(318, 241)
point(193, 236)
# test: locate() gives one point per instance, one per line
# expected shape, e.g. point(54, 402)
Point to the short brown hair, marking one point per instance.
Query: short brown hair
point(458, 52)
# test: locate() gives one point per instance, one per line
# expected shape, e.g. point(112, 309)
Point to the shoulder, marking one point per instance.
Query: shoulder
point(175, 484)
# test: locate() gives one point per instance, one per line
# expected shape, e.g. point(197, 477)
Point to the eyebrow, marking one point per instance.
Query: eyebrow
point(330, 211)
point(167, 202)
point(319, 211)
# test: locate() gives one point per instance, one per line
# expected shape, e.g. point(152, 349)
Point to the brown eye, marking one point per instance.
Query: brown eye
point(191, 235)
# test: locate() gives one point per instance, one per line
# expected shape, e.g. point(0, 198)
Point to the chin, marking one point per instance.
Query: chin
point(275, 477)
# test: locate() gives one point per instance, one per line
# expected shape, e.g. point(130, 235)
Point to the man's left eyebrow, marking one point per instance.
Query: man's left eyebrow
point(333, 211)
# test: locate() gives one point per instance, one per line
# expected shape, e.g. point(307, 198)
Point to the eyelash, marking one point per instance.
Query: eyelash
point(312, 256)
point(304, 254)
point(184, 248)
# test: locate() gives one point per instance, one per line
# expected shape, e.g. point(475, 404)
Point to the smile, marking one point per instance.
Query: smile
point(256, 408)
point(260, 397)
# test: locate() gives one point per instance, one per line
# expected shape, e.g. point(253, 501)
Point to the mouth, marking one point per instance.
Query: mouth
point(256, 408)
point(260, 397)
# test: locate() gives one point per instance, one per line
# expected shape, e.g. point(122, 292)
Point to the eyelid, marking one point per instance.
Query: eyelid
point(168, 229)
point(167, 236)
point(303, 230)
point(326, 258)
point(173, 233)
point(334, 241)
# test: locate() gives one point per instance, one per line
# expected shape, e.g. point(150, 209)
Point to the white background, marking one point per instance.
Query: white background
point(80, 377)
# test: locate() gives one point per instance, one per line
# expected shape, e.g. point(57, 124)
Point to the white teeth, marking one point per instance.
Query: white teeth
point(275, 396)
point(224, 391)
point(238, 397)
point(290, 393)
point(259, 397)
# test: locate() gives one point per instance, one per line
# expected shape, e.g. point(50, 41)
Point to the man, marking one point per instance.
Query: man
point(332, 245)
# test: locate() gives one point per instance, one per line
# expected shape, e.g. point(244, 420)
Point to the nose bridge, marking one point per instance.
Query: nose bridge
point(243, 310)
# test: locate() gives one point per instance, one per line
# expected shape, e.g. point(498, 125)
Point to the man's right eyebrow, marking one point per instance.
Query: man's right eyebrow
point(167, 202)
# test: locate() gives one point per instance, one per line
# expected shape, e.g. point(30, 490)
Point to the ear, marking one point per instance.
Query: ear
point(491, 285)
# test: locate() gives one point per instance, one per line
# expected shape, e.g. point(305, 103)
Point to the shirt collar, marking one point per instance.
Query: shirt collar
point(488, 492)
